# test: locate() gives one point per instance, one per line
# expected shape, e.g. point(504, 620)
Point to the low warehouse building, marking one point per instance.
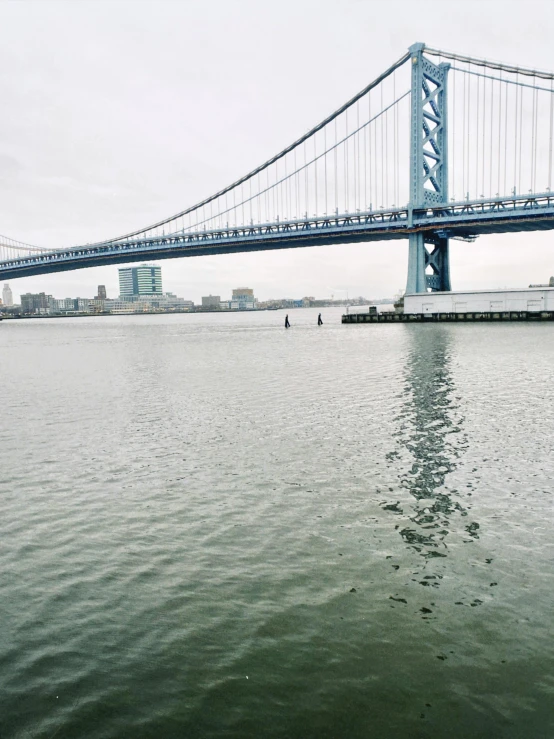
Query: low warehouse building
point(481, 301)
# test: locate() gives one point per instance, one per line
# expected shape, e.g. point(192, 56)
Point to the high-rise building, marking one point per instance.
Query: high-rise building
point(7, 297)
point(243, 299)
point(102, 292)
point(143, 280)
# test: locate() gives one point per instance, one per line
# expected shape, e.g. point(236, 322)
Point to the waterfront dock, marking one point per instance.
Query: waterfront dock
point(390, 317)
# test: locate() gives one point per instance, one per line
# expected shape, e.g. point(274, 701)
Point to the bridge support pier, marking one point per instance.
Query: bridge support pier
point(428, 264)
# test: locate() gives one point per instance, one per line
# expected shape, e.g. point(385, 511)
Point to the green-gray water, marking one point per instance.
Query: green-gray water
point(213, 527)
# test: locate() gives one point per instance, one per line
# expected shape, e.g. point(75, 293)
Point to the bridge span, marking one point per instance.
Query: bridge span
point(466, 144)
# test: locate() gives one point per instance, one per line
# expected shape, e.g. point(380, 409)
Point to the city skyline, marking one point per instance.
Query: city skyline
point(129, 301)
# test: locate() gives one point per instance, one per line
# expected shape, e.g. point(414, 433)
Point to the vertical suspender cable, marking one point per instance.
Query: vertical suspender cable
point(357, 158)
point(306, 202)
point(395, 154)
point(477, 144)
point(532, 157)
point(520, 135)
point(536, 139)
point(507, 96)
point(397, 113)
point(267, 217)
point(242, 201)
point(352, 150)
point(277, 189)
point(464, 140)
point(451, 148)
point(316, 212)
point(369, 142)
point(484, 137)
point(468, 146)
point(386, 203)
point(325, 163)
point(296, 201)
point(382, 151)
point(499, 130)
point(274, 198)
point(396, 173)
point(346, 172)
point(490, 148)
point(550, 138)
point(375, 159)
point(289, 192)
point(284, 191)
point(516, 132)
point(336, 171)
point(365, 169)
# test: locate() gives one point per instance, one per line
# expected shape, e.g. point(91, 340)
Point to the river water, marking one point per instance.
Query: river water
point(213, 527)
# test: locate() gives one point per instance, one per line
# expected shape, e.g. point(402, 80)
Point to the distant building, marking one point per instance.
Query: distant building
point(101, 292)
point(63, 305)
point(549, 284)
point(211, 302)
point(147, 304)
point(7, 297)
point(35, 303)
point(243, 299)
point(143, 280)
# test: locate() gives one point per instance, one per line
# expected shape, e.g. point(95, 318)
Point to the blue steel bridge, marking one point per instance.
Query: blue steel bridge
point(440, 146)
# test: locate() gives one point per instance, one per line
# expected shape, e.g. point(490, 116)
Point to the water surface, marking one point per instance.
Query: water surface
point(213, 527)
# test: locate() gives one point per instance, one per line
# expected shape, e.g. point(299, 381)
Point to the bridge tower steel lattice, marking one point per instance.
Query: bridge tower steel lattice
point(428, 171)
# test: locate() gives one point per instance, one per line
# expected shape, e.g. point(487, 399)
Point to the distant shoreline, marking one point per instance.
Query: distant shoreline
point(33, 316)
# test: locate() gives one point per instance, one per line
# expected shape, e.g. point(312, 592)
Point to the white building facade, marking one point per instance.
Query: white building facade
point(481, 301)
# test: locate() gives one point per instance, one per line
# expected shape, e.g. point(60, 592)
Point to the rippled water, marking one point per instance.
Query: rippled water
point(213, 527)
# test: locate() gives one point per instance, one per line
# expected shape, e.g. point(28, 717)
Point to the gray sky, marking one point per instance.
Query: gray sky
point(117, 114)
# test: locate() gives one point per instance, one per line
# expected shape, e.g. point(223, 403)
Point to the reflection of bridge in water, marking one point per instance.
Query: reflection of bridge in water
point(430, 429)
point(440, 146)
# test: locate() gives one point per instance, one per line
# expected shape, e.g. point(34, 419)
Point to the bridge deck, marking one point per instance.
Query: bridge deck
point(462, 220)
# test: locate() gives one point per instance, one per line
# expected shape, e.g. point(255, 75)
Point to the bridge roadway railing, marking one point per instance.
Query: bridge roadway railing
point(461, 219)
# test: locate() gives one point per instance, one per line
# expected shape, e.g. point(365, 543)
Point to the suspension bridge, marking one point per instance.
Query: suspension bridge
point(440, 146)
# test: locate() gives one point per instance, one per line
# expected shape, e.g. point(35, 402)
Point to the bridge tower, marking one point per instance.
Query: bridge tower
point(428, 171)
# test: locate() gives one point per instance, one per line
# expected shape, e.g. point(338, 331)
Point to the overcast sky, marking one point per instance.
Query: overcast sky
point(117, 114)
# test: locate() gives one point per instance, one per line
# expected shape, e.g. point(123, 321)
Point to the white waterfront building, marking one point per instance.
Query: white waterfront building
point(531, 299)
